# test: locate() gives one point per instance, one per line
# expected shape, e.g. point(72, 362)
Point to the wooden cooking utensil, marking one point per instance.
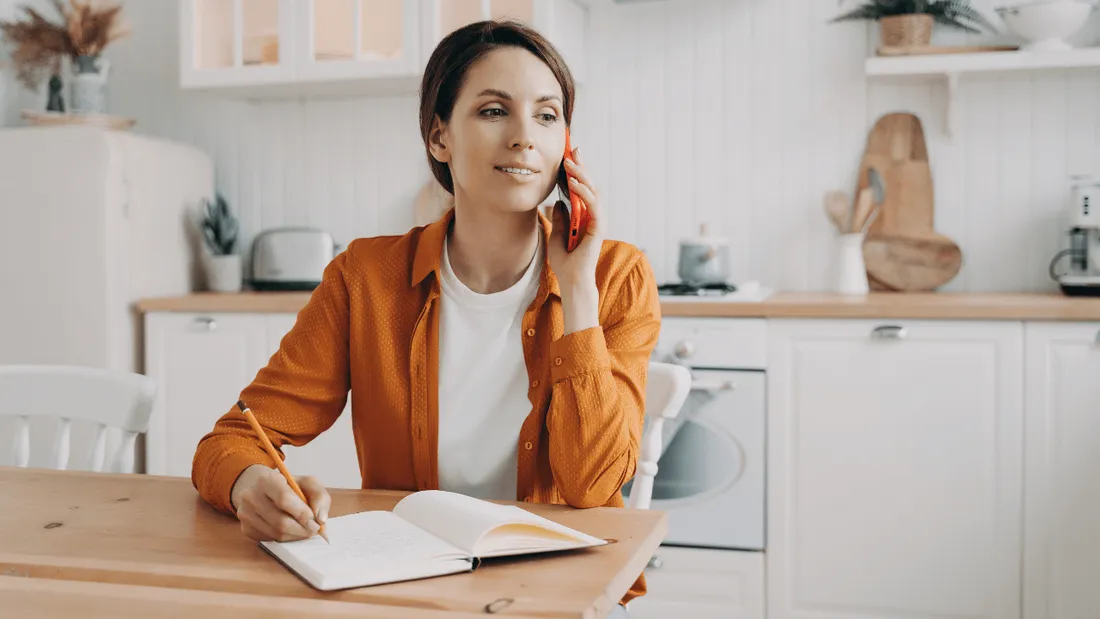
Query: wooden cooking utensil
point(864, 205)
point(836, 205)
point(868, 208)
point(914, 262)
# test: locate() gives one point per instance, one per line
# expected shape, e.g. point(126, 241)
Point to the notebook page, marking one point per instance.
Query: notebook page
point(464, 521)
point(531, 533)
point(367, 545)
point(457, 518)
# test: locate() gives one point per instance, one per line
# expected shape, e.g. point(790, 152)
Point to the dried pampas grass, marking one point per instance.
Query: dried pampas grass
point(86, 28)
point(38, 46)
point(92, 25)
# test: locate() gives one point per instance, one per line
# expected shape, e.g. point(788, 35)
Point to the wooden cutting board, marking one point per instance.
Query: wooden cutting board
point(913, 262)
point(897, 149)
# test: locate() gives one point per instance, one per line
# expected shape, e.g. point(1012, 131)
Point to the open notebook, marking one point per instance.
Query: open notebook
point(428, 533)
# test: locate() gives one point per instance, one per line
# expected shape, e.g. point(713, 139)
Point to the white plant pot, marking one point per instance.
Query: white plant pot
point(223, 273)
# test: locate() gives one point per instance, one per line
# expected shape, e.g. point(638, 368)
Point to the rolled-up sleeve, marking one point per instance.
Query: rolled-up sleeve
point(597, 406)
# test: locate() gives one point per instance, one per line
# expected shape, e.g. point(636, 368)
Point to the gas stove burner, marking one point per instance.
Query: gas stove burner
point(698, 290)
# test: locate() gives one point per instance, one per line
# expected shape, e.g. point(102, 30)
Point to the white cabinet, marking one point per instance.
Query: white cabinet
point(895, 469)
point(237, 42)
point(357, 39)
point(563, 22)
point(700, 583)
point(1063, 471)
point(280, 47)
point(201, 363)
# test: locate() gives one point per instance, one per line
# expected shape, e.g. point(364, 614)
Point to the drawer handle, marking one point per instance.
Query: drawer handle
point(655, 563)
point(889, 332)
point(713, 385)
point(207, 322)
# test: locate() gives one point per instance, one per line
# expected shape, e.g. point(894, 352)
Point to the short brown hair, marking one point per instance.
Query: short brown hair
point(446, 71)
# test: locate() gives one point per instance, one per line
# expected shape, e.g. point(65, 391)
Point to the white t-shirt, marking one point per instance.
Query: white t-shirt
point(482, 383)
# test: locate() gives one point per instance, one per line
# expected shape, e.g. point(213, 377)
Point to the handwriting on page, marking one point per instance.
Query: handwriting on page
point(377, 537)
point(380, 545)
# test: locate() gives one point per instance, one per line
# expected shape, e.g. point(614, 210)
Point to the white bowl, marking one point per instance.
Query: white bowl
point(1046, 24)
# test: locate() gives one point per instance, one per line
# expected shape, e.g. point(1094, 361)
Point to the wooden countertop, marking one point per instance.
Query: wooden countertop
point(938, 305)
point(154, 531)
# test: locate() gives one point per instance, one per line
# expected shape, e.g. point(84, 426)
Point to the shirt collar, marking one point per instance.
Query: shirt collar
point(429, 254)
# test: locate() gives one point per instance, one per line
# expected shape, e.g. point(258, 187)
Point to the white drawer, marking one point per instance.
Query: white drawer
point(702, 584)
point(738, 343)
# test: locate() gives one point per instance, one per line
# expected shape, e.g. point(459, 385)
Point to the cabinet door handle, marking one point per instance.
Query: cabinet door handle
point(655, 562)
point(1098, 338)
point(712, 386)
point(889, 332)
point(207, 322)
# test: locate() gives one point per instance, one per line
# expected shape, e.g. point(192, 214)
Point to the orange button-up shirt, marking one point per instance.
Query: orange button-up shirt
point(372, 328)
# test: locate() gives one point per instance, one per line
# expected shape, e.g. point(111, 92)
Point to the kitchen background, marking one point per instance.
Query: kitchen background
point(736, 113)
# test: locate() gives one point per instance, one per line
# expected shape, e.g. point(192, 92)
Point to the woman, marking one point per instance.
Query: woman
point(483, 358)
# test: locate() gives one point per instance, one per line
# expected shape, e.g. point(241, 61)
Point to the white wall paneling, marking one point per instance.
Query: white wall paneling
point(737, 114)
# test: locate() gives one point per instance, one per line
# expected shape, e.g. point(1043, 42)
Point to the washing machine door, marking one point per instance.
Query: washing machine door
point(710, 478)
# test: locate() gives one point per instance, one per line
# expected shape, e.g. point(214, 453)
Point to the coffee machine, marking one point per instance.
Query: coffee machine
point(1082, 278)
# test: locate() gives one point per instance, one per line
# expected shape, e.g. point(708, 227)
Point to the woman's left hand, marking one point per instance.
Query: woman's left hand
point(577, 267)
point(576, 270)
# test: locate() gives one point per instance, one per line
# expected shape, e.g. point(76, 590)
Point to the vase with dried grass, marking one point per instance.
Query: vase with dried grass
point(909, 23)
point(91, 27)
point(84, 30)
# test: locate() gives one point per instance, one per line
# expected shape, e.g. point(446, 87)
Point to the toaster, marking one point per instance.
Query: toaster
point(290, 258)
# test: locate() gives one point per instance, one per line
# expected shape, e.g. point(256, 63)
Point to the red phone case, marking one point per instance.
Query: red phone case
point(576, 213)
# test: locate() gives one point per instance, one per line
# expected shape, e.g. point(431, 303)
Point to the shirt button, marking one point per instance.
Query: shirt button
point(528, 445)
point(535, 384)
point(530, 333)
point(557, 361)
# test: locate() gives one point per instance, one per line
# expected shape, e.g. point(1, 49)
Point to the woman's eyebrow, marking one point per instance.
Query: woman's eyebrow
point(493, 92)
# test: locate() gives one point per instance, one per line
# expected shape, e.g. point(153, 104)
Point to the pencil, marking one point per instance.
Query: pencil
point(278, 461)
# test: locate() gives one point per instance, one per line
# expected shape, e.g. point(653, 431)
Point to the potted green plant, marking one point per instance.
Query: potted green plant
point(219, 229)
point(906, 23)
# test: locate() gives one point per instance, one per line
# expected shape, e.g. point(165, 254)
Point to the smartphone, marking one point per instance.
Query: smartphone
point(575, 210)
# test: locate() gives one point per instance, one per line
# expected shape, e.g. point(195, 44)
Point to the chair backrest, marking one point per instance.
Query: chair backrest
point(106, 398)
point(667, 387)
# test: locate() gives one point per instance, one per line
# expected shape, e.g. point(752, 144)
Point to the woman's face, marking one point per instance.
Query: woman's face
point(506, 137)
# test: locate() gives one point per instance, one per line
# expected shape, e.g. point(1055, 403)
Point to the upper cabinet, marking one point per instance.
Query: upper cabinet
point(258, 48)
point(358, 39)
point(236, 42)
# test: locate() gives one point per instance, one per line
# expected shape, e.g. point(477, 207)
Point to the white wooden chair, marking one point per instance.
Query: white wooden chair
point(109, 399)
point(666, 390)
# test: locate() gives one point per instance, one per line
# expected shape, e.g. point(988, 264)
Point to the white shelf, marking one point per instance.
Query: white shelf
point(983, 62)
point(952, 66)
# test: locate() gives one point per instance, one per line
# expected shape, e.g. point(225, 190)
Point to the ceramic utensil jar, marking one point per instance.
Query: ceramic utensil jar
point(705, 259)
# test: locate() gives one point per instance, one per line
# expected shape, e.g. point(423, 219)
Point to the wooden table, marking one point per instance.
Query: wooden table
point(156, 532)
point(50, 598)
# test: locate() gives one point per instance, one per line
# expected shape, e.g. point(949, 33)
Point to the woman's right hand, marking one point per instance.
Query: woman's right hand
point(270, 510)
